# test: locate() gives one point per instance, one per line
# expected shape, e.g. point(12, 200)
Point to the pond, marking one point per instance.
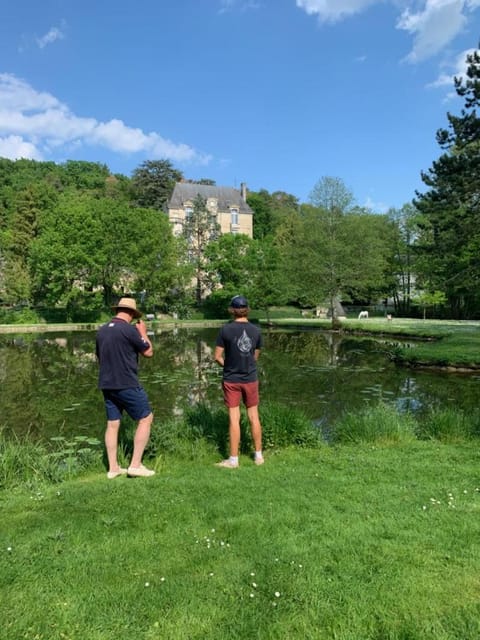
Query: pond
point(49, 380)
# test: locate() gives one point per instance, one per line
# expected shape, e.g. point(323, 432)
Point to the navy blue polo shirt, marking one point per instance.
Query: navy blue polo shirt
point(118, 344)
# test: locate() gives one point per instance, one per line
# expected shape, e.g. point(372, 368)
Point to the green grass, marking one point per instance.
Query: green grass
point(364, 542)
point(374, 537)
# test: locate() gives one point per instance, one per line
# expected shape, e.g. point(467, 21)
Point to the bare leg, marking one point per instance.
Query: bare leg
point(140, 440)
point(255, 427)
point(234, 429)
point(111, 443)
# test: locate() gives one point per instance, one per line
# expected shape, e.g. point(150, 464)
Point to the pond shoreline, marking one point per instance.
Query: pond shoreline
point(93, 326)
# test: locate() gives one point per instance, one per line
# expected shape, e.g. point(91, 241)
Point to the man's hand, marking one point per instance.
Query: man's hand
point(141, 328)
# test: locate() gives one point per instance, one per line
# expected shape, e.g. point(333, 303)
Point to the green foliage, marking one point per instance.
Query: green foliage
point(199, 230)
point(380, 423)
point(153, 183)
point(449, 425)
point(332, 254)
point(33, 464)
point(449, 239)
point(203, 430)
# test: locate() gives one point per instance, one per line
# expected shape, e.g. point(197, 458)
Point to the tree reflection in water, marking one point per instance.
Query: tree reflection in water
point(49, 381)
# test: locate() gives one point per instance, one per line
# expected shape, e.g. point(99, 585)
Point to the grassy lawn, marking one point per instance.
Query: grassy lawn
point(345, 542)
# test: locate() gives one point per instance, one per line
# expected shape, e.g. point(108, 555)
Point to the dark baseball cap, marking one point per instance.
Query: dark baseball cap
point(239, 302)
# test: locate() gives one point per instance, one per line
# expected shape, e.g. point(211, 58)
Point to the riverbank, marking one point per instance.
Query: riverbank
point(449, 345)
point(154, 325)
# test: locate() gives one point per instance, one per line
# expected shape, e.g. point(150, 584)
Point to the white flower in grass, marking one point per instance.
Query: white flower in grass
point(254, 585)
point(252, 573)
point(162, 579)
point(277, 594)
point(9, 549)
point(211, 573)
point(147, 584)
point(213, 530)
point(252, 595)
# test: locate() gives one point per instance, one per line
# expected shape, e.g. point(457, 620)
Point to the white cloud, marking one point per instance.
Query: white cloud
point(51, 36)
point(38, 123)
point(455, 70)
point(433, 27)
point(433, 24)
point(15, 147)
point(239, 5)
point(334, 10)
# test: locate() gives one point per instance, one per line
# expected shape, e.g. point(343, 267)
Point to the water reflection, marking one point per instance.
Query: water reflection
point(49, 381)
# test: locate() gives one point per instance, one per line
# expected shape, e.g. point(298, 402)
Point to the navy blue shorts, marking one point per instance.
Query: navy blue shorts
point(133, 401)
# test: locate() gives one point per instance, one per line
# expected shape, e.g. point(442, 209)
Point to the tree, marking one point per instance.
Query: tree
point(403, 257)
point(332, 195)
point(449, 239)
point(153, 183)
point(89, 244)
point(332, 251)
point(199, 229)
point(430, 299)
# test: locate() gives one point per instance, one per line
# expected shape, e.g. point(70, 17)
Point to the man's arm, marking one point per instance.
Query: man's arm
point(141, 327)
point(219, 359)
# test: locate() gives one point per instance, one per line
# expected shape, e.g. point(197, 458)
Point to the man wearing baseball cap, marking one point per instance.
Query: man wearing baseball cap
point(236, 351)
point(118, 345)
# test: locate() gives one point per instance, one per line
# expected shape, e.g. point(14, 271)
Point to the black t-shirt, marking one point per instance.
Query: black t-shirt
point(118, 345)
point(240, 341)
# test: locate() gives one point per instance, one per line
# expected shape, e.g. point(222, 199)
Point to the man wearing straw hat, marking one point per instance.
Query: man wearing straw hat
point(117, 347)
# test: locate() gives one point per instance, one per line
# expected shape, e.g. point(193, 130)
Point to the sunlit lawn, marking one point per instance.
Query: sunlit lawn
point(358, 543)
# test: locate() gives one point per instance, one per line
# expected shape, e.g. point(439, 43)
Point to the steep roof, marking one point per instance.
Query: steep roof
point(226, 196)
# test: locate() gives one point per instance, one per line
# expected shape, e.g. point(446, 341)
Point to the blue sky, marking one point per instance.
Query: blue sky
point(274, 93)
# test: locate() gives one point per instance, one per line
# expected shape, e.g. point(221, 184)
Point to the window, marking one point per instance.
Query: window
point(188, 213)
point(234, 216)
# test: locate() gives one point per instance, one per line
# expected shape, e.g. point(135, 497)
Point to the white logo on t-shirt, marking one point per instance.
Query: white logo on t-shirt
point(244, 343)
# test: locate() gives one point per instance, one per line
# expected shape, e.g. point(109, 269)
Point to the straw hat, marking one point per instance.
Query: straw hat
point(129, 304)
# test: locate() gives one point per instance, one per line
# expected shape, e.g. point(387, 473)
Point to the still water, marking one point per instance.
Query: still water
point(48, 381)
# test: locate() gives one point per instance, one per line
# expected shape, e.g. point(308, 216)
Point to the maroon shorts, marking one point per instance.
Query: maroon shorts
point(234, 392)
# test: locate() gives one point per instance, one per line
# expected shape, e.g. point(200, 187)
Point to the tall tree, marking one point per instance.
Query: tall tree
point(199, 229)
point(404, 233)
point(153, 183)
point(334, 252)
point(449, 240)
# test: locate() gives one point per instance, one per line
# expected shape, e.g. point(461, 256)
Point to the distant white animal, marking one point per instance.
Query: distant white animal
point(389, 317)
point(363, 314)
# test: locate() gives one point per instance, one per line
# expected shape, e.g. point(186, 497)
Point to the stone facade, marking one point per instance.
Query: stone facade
point(229, 205)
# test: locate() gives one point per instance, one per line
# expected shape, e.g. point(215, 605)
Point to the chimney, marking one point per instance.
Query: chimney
point(243, 191)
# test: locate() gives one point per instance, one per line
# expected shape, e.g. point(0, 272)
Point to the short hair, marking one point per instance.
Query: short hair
point(240, 313)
